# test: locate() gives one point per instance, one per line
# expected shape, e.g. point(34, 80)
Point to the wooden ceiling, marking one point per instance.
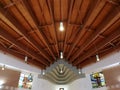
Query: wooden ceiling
point(31, 28)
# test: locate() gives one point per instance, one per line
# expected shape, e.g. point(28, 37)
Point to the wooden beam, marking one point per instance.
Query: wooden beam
point(101, 36)
point(20, 38)
point(11, 46)
point(112, 44)
point(115, 2)
point(3, 44)
point(99, 46)
point(91, 18)
point(68, 21)
point(27, 5)
point(11, 4)
point(113, 18)
point(46, 25)
point(77, 25)
point(21, 30)
point(53, 21)
point(7, 36)
point(30, 61)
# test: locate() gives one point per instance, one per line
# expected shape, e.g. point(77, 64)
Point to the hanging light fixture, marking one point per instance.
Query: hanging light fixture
point(43, 72)
point(97, 58)
point(61, 70)
point(80, 71)
point(3, 67)
point(61, 55)
point(61, 26)
point(26, 58)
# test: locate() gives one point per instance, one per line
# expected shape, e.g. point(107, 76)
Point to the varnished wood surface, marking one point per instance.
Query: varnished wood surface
point(31, 28)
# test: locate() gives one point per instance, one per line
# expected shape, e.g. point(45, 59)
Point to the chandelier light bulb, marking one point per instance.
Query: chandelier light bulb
point(61, 26)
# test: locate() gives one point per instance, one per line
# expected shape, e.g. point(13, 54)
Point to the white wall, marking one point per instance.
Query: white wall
point(81, 84)
point(41, 84)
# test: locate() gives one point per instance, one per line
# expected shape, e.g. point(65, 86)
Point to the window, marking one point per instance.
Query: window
point(97, 80)
point(25, 81)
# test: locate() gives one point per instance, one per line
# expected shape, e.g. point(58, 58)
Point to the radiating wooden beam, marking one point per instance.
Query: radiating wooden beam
point(53, 21)
point(30, 61)
point(68, 21)
point(92, 16)
point(113, 18)
point(7, 36)
point(99, 46)
point(21, 30)
point(27, 5)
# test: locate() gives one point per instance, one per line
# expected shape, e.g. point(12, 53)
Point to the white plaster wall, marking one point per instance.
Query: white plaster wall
point(41, 84)
point(81, 84)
